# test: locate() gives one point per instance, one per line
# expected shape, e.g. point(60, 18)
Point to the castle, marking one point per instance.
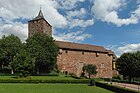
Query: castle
point(73, 56)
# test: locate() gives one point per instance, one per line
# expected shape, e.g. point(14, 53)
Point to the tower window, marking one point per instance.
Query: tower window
point(83, 53)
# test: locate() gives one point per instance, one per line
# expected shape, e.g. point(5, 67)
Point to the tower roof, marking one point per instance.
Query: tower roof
point(40, 16)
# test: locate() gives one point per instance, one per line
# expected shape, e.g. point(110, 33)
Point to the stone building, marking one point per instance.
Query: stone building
point(73, 56)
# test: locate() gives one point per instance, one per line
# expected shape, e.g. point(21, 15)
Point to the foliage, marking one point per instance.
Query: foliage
point(44, 50)
point(90, 69)
point(23, 63)
point(129, 64)
point(9, 48)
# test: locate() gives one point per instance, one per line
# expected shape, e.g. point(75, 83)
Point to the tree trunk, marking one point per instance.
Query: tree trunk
point(130, 78)
point(37, 71)
point(12, 71)
point(89, 76)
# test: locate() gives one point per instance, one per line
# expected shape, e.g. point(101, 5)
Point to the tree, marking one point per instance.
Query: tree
point(43, 48)
point(90, 69)
point(23, 63)
point(9, 47)
point(129, 64)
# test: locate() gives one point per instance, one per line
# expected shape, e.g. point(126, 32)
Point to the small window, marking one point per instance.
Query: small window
point(102, 65)
point(60, 51)
point(66, 51)
point(97, 54)
point(83, 53)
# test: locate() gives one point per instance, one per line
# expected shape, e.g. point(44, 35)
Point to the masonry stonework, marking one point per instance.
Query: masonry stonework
point(39, 25)
point(69, 60)
point(73, 56)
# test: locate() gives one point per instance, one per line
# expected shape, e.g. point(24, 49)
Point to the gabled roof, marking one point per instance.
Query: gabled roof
point(40, 16)
point(81, 47)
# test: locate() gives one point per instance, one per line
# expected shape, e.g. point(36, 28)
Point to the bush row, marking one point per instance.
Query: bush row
point(73, 76)
point(116, 89)
point(84, 81)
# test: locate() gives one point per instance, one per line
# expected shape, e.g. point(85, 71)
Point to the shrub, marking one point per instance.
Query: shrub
point(21, 80)
point(73, 76)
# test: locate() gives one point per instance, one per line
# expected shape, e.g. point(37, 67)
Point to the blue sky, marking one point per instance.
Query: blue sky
point(114, 24)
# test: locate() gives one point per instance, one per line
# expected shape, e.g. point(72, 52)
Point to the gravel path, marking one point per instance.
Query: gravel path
point(126, 85)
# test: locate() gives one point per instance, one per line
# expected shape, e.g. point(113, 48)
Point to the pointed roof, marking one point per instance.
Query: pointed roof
point(40, 16)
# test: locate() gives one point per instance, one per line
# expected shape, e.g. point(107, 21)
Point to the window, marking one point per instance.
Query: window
point(60, 51)
point(97, 54)
point(66, 51)
point(102, 65)
point(83, 53)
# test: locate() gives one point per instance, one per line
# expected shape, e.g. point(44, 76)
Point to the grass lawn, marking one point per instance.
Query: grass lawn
point(50, 88)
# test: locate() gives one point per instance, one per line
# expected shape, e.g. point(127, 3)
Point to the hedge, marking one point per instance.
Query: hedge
point(116, 89)
point(84, 81)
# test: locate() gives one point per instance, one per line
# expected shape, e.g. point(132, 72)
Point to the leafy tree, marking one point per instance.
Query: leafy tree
point(129, 64)
point(90, 69)
point(23, 63)
point(9, 47)
point(44, 50)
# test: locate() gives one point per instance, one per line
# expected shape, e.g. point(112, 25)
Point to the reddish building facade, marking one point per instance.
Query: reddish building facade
point(73, 56)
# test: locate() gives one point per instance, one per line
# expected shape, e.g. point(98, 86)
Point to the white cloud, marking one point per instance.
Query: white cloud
point(72, 36)
point(124, 48)
point(68, 4)
point(76, 18)
point(81, 23)
point(17, 29)
point(107, 11)
point(76, 13)
point(129, 48)
point(10, 10)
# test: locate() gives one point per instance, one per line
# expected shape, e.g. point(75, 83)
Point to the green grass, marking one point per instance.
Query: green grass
point(50, 88)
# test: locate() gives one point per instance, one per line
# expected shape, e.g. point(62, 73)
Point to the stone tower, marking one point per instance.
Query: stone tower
point(39, 25)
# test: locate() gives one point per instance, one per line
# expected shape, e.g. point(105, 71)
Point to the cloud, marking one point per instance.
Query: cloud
point(17, 29)
point(129, 48)
point(124, 48)
point(28, 9)
point(107, 11)
point(68, 4)
point(72, 36)
point(76, 13)
point(77, 18)
point(80, 23)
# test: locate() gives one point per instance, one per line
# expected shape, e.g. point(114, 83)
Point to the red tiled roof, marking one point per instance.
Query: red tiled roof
point(83, 47)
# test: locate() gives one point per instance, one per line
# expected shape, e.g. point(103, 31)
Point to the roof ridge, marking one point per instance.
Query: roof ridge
point(80, 43)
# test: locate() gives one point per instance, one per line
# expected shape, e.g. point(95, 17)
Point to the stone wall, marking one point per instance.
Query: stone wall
point(41, 26)
point(73, 61)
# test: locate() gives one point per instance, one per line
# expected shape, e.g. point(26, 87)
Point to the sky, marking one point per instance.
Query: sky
point(113, 24)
